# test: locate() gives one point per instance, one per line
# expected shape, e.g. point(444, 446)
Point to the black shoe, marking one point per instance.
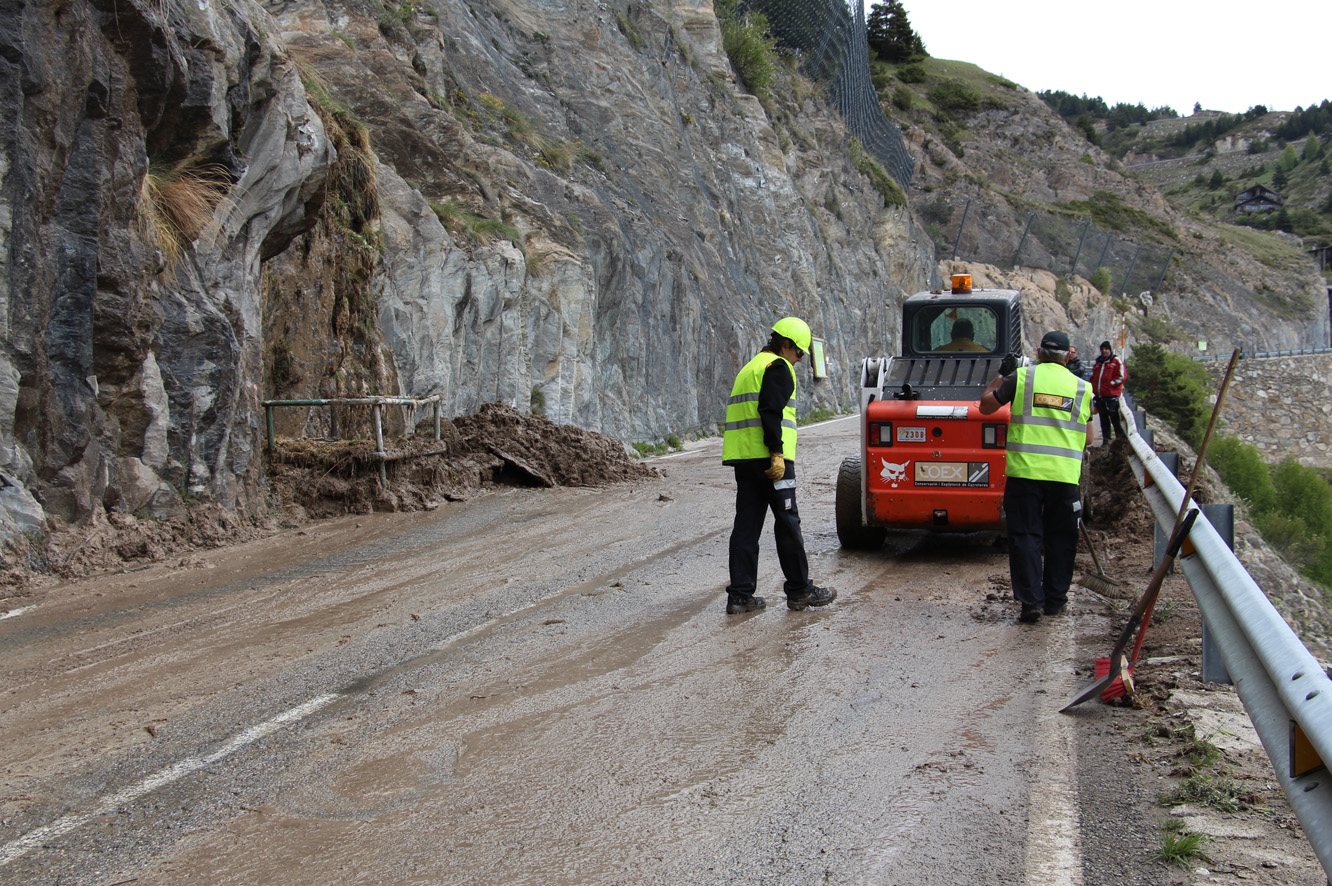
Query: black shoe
point(1030, 615)
point(1056, 610)
point(812, 597)
point(738, 603)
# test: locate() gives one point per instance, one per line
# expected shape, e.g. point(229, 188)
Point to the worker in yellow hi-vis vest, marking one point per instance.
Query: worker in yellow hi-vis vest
point(1048, 430)
point(760, 443)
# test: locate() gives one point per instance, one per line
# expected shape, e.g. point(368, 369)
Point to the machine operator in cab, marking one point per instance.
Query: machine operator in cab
point(760, 444)
point(1048, 432)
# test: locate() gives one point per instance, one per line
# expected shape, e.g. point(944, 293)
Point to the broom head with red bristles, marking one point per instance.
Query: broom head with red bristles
point(1120, 686)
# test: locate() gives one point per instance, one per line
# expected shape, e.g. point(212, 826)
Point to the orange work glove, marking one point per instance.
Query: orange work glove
point(777, 469)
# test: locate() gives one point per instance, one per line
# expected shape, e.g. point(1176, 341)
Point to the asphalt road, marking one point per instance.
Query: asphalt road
point(541, 686)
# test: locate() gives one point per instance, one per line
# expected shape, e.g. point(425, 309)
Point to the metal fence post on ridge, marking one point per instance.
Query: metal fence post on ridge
point(960, 228)
point(1073, 268)
point(1023, 242)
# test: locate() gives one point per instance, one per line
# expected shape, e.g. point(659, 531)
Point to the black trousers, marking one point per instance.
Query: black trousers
point(1041, 513)
point(755, 495)
point(1108, 407)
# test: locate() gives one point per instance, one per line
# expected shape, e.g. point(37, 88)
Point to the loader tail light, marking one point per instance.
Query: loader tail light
point(994, 436)
point(881, 433)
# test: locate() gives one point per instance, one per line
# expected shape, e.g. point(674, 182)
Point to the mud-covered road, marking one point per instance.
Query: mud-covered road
point(541, 687)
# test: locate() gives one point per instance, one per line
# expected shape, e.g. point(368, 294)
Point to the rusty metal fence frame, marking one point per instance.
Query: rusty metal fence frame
point(376, 404)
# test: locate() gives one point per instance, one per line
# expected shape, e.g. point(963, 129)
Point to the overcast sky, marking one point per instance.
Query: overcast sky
point(1225, 54)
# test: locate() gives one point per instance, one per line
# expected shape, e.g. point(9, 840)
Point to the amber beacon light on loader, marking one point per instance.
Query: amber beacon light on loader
point(928, 459)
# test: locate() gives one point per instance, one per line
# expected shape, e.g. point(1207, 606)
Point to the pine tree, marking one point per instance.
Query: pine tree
point(889, 34)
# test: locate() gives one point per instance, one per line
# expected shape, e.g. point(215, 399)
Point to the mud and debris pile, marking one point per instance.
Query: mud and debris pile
point(496, 446)
point(317, 479)
point(1112, 496)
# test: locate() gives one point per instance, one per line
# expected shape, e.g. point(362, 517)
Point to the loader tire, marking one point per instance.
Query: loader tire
point(851, 530)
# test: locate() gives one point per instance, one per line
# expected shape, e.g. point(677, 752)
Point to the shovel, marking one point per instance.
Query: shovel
point(1119, 668)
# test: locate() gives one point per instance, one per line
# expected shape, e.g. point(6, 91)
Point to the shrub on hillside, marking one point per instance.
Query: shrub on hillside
point(1172, 387)
point(954, 98)
point(1100, 278)
point(1244, 471)
point(912, 73)
point(1290, 536)
point(750, 46)
point(1302, 492)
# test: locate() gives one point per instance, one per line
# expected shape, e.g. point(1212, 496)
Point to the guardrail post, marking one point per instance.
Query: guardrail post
point(437, 418)
point(268, 420)
point(1222, 518)
point(1161, 540)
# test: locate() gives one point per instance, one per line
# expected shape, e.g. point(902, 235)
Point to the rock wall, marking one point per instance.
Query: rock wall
point(660, 219)
point(130, 366)
point(571, 208)
point(1282, 406)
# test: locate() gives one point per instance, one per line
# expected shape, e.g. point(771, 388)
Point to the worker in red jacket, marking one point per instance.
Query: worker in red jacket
point(1107, 379)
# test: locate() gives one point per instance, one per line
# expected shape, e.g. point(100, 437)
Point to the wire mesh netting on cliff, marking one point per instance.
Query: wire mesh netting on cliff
point(830, 41)
point(1062, 245)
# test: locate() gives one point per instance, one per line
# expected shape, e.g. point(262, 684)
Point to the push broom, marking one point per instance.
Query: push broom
point(1100, 582)
point(1115, 673)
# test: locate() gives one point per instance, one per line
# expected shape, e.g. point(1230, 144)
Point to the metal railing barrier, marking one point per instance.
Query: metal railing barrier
point(376, 405)
point(1284, 689)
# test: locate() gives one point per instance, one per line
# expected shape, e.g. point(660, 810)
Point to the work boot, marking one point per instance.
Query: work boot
point(811, 597)
point(1055, 608)
point(738, 603)
point(1030, 615)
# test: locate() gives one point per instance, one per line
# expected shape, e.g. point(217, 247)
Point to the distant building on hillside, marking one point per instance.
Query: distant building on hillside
point(1322, 256)
point(1258, 199)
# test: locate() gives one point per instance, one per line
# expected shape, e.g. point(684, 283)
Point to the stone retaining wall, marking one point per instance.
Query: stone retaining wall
point(1281, 405)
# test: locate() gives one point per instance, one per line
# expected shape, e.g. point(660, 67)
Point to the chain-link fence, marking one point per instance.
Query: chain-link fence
point(829, 38)
point(1059, 244)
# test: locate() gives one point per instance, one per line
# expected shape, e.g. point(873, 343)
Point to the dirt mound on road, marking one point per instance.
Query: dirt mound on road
point(497, 445)
point(318, 479)
point(553, 455)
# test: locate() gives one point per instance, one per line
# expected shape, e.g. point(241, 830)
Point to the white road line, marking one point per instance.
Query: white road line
point(13, 612)
point(1054, 830)
point(176, 771)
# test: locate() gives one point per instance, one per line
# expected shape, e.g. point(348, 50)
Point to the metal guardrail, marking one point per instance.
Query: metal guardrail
point(1258, 355)
point(1284, 689)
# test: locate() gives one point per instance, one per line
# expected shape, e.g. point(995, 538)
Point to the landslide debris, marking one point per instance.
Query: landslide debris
point(319, 479)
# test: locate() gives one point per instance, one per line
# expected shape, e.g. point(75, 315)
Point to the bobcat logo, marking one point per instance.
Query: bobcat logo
point(894, 474)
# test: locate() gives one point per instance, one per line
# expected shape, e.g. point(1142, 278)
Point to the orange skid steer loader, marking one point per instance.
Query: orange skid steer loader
point(928, 459)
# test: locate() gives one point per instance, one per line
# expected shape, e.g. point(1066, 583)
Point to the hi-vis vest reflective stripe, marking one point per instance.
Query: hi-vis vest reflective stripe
point(743, 437)
point(1048, 427)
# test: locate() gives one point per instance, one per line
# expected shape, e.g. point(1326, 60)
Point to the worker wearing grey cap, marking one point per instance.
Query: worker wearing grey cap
point(1048, 430)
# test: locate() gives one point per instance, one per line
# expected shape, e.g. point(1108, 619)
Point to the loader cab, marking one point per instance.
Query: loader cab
point(947, 324)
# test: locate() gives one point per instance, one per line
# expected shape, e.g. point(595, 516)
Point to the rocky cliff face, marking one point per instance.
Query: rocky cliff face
point(569, 207)
point(129, 381)
point(1013, 156)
